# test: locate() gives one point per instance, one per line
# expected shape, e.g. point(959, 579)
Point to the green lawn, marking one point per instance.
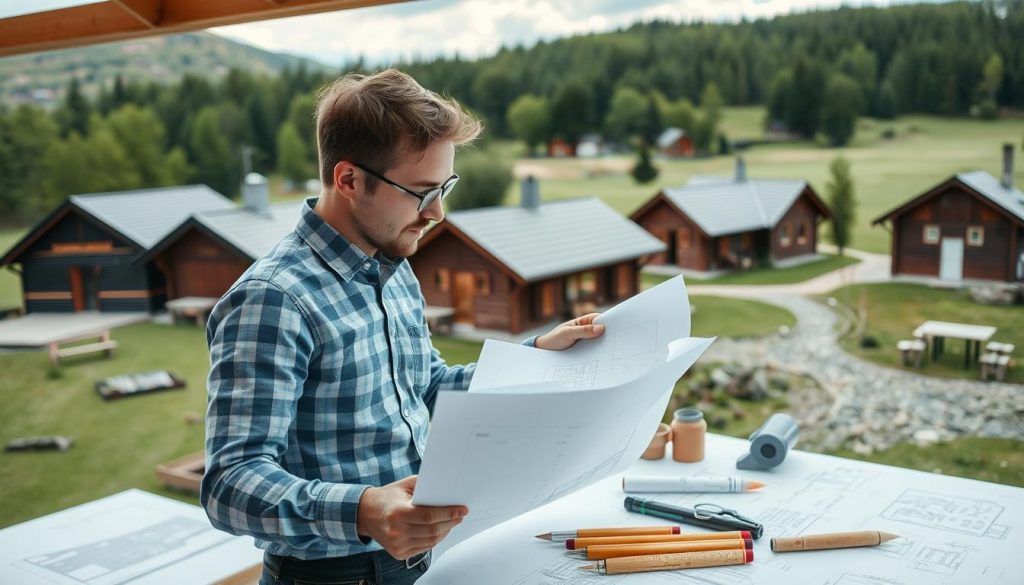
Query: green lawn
point(736, 318)
point(789, 275)
point(10, 283)
point(925, 151)
point(895, 310)
point(995, 460)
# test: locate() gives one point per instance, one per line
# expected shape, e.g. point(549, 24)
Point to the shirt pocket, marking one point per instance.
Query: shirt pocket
point(416, 354)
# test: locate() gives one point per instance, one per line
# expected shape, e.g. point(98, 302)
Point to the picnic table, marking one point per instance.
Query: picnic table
point(973, 335)
point(197, 308)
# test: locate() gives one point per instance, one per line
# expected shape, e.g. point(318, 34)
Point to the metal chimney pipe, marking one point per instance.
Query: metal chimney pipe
point(1007, 165)
point(741, 169)
point(530, 192)
point(256, 194)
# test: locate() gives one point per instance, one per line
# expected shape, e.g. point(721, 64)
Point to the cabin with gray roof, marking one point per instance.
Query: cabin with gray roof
point(83, 255)
point(970, 226)
point(516, 268)
point(734, 223)
point(205, 254)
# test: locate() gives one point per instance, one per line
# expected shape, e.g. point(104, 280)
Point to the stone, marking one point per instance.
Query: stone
point(926, 437)
point(719, 378)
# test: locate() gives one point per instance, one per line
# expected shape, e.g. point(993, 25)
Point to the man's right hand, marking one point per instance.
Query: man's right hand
point(387, 515)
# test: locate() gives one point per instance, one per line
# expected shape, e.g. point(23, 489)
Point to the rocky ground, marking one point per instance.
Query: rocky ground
point(863, 406)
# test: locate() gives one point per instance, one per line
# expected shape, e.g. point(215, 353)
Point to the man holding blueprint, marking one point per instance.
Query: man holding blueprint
point(323, 377)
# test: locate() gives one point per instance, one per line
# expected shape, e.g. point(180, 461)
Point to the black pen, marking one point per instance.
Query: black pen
point(705, 516)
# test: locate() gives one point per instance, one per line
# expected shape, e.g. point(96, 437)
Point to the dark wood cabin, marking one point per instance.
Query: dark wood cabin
point(970, 226)
point(516, 268)
point(83, 256)
point(733, 224)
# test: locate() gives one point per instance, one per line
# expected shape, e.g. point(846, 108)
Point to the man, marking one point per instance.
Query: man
point(323, 373)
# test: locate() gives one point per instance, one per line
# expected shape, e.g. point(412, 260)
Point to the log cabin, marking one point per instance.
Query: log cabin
point(733, 223)
point(970, 226)
point(517, 268)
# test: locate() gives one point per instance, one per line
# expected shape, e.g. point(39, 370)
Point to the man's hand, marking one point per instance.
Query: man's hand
point(386, 514)
point(567, 334)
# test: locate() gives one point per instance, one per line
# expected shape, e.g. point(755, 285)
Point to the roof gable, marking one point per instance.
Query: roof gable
point(555, 238)
point(1008, 200)
point(721, 206)
point(147, 216)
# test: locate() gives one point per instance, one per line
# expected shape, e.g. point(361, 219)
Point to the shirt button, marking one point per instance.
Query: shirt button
point(366, 265)
point(405, 411)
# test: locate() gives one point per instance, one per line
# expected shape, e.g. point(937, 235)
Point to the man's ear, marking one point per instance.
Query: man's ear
point(346, 181)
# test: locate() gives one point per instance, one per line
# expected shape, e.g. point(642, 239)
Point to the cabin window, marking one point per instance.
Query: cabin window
point(801, 234)
point(931, 234)
point(442, 279)
point(784, 235)
point(975, 235)
point(483, 283)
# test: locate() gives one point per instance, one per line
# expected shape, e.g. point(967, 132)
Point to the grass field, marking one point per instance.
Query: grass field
point(925, 151)
point(894, 310)
point(10, 283)
point(789, 275)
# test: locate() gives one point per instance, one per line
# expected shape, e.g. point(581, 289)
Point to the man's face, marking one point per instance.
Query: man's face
point(388, 218)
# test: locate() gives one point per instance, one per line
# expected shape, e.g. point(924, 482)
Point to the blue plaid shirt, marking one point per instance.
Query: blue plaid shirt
point(321, 383)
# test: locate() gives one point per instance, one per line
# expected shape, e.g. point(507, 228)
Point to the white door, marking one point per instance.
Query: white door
point(951, 264)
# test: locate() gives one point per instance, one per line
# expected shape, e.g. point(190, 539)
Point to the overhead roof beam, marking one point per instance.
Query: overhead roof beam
point(116, 20)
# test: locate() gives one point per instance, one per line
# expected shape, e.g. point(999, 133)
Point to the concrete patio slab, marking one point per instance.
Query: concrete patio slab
point(39, 329)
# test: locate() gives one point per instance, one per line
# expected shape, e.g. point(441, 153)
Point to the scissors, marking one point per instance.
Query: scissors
point(706, 511)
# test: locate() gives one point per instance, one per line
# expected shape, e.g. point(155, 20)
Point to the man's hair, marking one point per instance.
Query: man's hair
point(373, 119)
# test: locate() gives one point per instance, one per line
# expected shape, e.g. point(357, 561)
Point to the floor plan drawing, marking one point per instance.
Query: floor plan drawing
point(944, 512)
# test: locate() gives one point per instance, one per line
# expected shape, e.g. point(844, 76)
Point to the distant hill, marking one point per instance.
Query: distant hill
point(41, 78)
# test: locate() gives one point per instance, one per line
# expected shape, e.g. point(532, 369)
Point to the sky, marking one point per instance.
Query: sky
point(470, 28)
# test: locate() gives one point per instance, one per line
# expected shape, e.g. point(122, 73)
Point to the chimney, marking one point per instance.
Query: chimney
point(530, 193)
point(1007, 166)
point(256, 194)
point(741, 169)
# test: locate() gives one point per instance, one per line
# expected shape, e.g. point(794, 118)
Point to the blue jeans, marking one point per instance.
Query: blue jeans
point(373, 568)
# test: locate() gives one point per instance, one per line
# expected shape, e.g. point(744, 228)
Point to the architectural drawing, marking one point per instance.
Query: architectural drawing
point(944, 512)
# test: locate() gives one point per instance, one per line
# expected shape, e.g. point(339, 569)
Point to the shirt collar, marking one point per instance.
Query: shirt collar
point(342, 256)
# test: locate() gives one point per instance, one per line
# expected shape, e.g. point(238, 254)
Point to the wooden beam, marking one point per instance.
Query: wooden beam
point(148, 12)
point(118, 20)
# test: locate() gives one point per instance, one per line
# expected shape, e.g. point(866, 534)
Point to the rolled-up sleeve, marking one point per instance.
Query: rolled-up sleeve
point(261, 346)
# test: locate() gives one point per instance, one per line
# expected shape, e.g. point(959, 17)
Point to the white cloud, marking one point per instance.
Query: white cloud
point(474, 28)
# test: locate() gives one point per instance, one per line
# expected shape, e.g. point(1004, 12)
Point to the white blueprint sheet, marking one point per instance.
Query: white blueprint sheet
point(131, 537)
point(503, 450)
point(952, 530)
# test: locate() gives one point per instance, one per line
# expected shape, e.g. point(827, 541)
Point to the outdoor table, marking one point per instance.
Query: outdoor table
point(973, 336)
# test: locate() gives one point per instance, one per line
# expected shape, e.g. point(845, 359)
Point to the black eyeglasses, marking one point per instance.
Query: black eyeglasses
point(427, 197)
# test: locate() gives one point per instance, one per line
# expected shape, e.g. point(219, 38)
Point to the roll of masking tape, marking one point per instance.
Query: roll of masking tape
point(656, 450)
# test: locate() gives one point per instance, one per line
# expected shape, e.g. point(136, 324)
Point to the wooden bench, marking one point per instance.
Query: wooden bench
point(103, 344)
point(995, 365)
point(911, 351)
point(999, 348)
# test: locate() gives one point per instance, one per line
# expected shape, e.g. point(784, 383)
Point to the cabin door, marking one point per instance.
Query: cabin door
point(673, 241)
point(84, 288)
point(951, 263)
point(465, 289)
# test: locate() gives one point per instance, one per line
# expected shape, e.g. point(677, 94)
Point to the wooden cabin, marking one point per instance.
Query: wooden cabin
point(675, 142)
point(716, 223)
point(205, 254)
point(516, 268)
point(970, 226)
point(559, 148)
point(83, 256)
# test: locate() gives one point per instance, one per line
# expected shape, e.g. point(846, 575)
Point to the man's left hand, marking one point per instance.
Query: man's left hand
point(567, 334)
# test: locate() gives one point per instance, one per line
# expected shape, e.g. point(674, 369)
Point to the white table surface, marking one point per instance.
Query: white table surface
point(954, 330)
point(953, 530)
point(131, 537)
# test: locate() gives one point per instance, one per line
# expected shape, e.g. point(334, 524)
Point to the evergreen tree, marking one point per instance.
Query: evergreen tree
point(292, 157)
point(644, 171)
point(572, 110)
point(529, 119)
point(710, 116)
point(75, 111)
point(842, 106)
point(806, 97)
point(841, 200)
point(215, 165)
point(26, 133)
